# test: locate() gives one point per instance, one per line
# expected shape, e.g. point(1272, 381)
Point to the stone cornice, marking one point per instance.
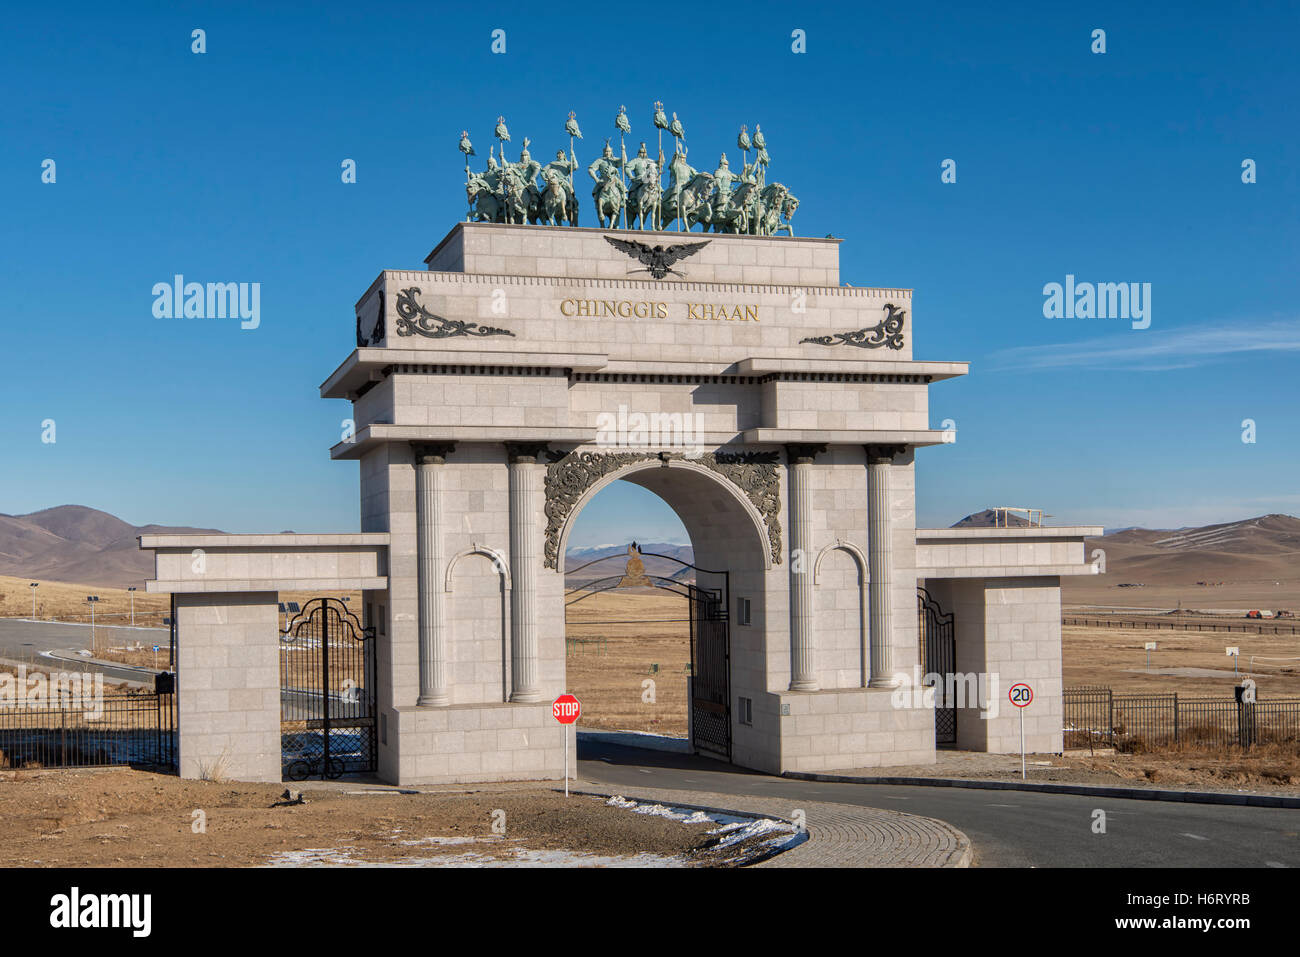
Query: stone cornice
point(500, 279)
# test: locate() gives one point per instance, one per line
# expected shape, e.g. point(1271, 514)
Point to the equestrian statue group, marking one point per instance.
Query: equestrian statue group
point(631, 193)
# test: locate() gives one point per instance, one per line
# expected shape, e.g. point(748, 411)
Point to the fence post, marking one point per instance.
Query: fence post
point(1110, 716)
point(1175, 717)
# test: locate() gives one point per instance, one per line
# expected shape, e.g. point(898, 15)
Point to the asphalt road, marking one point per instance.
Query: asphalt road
point(20, 640)
point(1007, 828)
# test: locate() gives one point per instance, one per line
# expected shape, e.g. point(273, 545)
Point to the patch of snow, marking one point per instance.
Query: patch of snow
point(768, 834)
point(518, 857)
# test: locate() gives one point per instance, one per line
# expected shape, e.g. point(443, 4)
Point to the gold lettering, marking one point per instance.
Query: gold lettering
point(661, 310)
point(751, 312)
point(691, 312)
point(641, 309)
point(584, 307)
point(563, 303)
point(625, 308)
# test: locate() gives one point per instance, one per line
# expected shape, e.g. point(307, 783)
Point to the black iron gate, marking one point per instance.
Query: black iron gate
point(939, 657)
point(710, 672)
point(327, 693)
point(709, 699)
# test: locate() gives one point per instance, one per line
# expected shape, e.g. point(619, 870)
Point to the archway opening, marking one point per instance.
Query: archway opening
point(627, 604)
point(653, 557)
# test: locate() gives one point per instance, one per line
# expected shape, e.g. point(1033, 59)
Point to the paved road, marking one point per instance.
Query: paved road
point(1007, 828)
point(20, 640)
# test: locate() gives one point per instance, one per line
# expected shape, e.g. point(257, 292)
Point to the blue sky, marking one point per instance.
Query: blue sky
point(1122, 166)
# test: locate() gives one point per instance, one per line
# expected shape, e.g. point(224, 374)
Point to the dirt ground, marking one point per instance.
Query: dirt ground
point(123, 817)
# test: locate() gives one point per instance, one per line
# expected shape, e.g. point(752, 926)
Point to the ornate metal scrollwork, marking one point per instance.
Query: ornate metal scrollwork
point(570, 474)
point(415, 320)
point(888, 332)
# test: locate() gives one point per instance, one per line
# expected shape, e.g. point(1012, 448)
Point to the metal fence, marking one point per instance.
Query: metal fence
point(1097, 717)
point(113, 729)
point(1252, 626)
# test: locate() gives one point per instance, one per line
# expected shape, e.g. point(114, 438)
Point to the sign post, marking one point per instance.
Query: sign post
point(1021, 694)
point(1150, 646)
point(1232, 653)
point(566, 710)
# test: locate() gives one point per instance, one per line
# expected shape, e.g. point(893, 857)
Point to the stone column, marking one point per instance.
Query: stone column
point(880, 558)
point(525, 560)
point(429, 460)
point(803, 675)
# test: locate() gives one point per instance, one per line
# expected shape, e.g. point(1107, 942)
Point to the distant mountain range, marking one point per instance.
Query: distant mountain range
point(594, 562)
point(73, 543)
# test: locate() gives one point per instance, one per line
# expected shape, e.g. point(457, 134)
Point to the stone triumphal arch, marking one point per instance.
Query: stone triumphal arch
point(481, 389)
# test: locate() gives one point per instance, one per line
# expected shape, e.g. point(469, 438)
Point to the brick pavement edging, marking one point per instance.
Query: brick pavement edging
point(1091, 790)
point(839, 835)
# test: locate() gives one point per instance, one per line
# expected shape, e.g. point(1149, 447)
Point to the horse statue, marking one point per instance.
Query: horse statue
point(610, 198)
point(767, 217)
point(691, 204)
point(645, 201)
point(554, 202)
point(740, 211)
point(517, 201)
point(484, 203)
point(788, 208)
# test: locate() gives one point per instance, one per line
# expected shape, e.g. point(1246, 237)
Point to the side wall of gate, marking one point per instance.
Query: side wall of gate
point(226, 592)
point(228, 695)
point(1009, 628)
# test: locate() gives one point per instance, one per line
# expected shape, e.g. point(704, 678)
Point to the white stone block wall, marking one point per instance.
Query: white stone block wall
point(228, 686)
point(1009, 628)
point(862, 728)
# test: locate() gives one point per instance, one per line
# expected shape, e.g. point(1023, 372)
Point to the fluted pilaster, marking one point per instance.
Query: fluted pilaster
point(525, 560)
point(880, 558)
point(803, 674)
point(429, 460)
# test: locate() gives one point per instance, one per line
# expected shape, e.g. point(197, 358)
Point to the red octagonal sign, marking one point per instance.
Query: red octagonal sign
point(566, 709)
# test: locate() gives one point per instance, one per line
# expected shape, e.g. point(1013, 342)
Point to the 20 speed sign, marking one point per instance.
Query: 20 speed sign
point(566, 709)
point(1020, 694)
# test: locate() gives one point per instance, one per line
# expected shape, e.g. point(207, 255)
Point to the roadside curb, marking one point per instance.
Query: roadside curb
point(839, 835)
point(1090, 790)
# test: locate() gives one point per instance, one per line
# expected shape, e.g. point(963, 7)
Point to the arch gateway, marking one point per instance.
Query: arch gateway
point(495, 393)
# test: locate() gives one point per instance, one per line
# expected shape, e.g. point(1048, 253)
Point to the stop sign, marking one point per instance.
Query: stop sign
point(566, 709)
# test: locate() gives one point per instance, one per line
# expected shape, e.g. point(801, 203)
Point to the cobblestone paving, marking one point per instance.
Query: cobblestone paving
point(840, 835)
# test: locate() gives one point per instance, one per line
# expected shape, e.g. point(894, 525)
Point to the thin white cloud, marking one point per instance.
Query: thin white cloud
point(1157, 349)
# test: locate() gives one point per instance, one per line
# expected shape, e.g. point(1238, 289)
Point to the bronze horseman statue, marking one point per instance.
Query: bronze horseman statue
point(639, 193)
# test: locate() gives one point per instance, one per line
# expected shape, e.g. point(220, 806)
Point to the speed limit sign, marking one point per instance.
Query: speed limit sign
point(1021, 694)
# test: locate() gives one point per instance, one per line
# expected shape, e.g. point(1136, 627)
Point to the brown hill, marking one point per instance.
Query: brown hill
point(1254, 563)
point(73, 543)
point(991, 519)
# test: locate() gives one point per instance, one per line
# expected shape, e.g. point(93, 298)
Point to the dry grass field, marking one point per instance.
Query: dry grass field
point(608, 675)
point(608, 681)
point(1116, 658)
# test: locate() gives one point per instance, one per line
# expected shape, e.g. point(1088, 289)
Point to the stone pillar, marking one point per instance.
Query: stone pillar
point(525, 560)
point(429, 460)
point(880, 558)
point(803, 674)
